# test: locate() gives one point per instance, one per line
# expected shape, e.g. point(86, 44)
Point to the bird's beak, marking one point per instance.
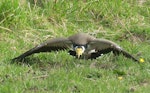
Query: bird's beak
point(79, 52)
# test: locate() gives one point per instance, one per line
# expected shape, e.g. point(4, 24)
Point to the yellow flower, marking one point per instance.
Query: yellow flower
point(120, 77)
point(141, 60)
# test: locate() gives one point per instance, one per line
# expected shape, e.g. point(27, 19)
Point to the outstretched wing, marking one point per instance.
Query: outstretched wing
point(48, 46)
point(103, 46)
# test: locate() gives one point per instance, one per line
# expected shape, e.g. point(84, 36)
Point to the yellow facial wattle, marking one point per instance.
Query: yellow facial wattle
point(79, 52)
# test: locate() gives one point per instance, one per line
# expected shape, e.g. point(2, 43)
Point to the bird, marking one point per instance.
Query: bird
point(80, 45)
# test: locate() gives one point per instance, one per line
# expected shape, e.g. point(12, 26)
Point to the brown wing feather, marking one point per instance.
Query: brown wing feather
point(103, 46)
point(48, 46)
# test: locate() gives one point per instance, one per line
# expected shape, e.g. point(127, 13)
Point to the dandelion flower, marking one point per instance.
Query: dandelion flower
point(141, 60)
point(120, 77)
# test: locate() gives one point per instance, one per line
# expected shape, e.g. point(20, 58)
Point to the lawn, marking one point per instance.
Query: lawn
point(26, 23)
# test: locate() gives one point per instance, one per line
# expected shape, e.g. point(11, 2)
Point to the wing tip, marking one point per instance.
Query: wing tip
point(17, 59)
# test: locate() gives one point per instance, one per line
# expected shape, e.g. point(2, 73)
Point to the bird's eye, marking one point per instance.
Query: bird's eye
point(74, 45)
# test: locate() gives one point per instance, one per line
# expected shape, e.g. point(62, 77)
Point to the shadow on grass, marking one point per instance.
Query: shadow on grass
point(28, 61)
point(44, 64)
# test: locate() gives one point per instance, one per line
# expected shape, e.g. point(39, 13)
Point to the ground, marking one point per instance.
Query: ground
point(25, 24)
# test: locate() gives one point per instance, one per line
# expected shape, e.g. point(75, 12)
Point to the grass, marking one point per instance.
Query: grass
point(24, 24)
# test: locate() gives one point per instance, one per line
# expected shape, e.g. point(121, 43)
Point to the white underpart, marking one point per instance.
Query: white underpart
point(102, 54)
point(91, 51)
